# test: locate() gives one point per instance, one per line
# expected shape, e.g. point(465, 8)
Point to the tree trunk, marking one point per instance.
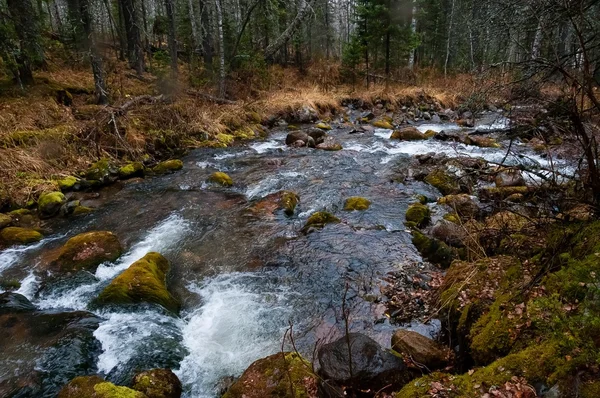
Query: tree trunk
point(196, 36)
point(95, 58)
point(132, 30)
point(207, 48)
point(221, 49)
point(303, 12)
point(413, 31)
point(449, 37)
point(536, 48)
point(172, 39)
point(31, 54)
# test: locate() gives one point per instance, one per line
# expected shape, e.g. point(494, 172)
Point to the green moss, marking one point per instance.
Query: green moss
point(67, 183)
point(452, 217)
point(225, 139)
point(408, 134)
point(20, 236)
point(88, 250)
point(143, 281)
point(158, 383)
point(430, 134)
point(80, 210)
point(221, 179)
point(50, 203)
point(383, 124)
point(10, 284)
point(319, 220)
point(422, 199)
point(168, 166)
point(5, 220)
point(483, 142)
point(80, 387)
point(419, 214)
point(420, 387)
point(133, 169)
point(501, 193)
point(109, 390)
point(323, 126)
point(446, 184)
point(99, 171)
point(434, 250)
point(492, 335)
point(20, 212)
point(357, 203)
point(283, 375)
point(288, 201)
point(590, 390)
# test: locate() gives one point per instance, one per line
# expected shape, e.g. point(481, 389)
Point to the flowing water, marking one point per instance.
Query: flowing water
point(245, 274)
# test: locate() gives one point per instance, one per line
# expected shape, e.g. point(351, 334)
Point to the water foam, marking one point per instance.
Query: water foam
point(12, 255)
point(262, 147)
point(243, 319)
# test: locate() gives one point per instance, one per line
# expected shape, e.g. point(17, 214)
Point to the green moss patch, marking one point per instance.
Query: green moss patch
point(357, 203)
point(134, 169)
point(168, 166)
point(441, 180)
point(221, 178)
point(50, 203)
point(288, 201)
point(20, 236)
point(319, 220)
point(419, 214)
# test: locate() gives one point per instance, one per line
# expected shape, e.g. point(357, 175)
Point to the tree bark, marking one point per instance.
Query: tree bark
point(196, 36)
point(303, 12)
point(172, 39)
point(207, 48)
point(132, 30)
point(449, 37)
point(95, 58)
point(31, 54)
point(413, 31)
point(221, 49)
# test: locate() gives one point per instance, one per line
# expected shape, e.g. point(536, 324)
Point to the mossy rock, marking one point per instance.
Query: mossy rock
point(483, 142)
point(143, 282)
point(81, 210)
point(67, 183)
point(408, 134)
point(323, 126)
point(502, 193)
point(288, 201)
point(5, 220)
point(20, 236)
point(101, 171)
point(464, 205)
point(225, 139)
point(419, 214)
point(452, 217)
point(158, 383)
point(96, 387)
point(133, 169)
point(357, 203)
point(319, 220)
point(429, 134)
point(50, 203)
point(168, 166)
point(420, 349)
point(433, 250)
point(88, 250)
point(383, 124)
point(221, 178)
point(282, 375)
point(444, 182)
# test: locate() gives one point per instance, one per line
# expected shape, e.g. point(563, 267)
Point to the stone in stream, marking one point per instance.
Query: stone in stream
point(288, 201)
point(449, 232)
point(221, 178)
point(434, 250)
point(14, 303)
point(360, 363)
point(319, 220)
point(19, 236)
point(295, 136)
point(317, 135)
point(5, 220)
point(168, 166)
point(464, 205)
point(383, 124)
point(420, 349)
point(131, 170)
point(281, 375)
point(483, 142)
point(510, 178)
point(143, 282)
point(357, 203)
point(96, 387)
point(102, 171)
point(88, 250)
point(419, 214)
point(323, 126)
point(408, 134)
point(330, 144)
point(443, 181)
point(158, 383)
point(49, 204)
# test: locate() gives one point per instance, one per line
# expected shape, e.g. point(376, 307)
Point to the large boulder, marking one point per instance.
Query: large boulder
point(88, 250)
point(296, 136)
point(510, 178)
point(19, 236)
point(49, 204)
point(359, 362)
point(158, 383)
point(408, 134)
point(420, 349)
point(317, 135)
point(464, 205)
point(282, 375)
point(143, 282)
point(96, 387)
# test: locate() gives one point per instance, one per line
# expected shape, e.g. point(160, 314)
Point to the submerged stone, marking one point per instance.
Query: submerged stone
point(288, 201)
point(88, 250)
point(50, 203)
point(221, 178)
point(357, 203)
point(419, 214)
point(20, 236)
point(319, 220)
point(158, 383)
point(168, 166)
point(282, 375)
point(143, 282)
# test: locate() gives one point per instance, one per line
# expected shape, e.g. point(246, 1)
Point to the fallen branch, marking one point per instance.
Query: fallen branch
point(138, 100)
point(216, 100)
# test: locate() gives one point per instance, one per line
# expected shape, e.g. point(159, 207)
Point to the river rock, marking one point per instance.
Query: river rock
point(383, 124)
point(306, 114)
point(221, 178)
point(131, 170)
point(288, 201)
point(168, 166)
point(408, 134)
point(421, 349)
point(483, 142)
point(68, 183)
point(464, 205)
point(419, 214)
point(282, 375)
point(319, 220)
point(373, 367)
point(158, 383)
point(436, 118)
point(357, 203)
point(317, 135)
point(88, 250)
point(143, 282)
point(103, 172)
point(510, 178)
point(323, 126)
point(5, 220)
point(49, 204)
point(443, 181)
point(14, 303)
point(96, 387)
point(19, 236)
point(295, 136)
point(330, 144)
point(449, 233)
point(433, 249)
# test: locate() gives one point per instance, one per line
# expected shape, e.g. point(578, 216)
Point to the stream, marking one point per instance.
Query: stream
point(243, 273)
